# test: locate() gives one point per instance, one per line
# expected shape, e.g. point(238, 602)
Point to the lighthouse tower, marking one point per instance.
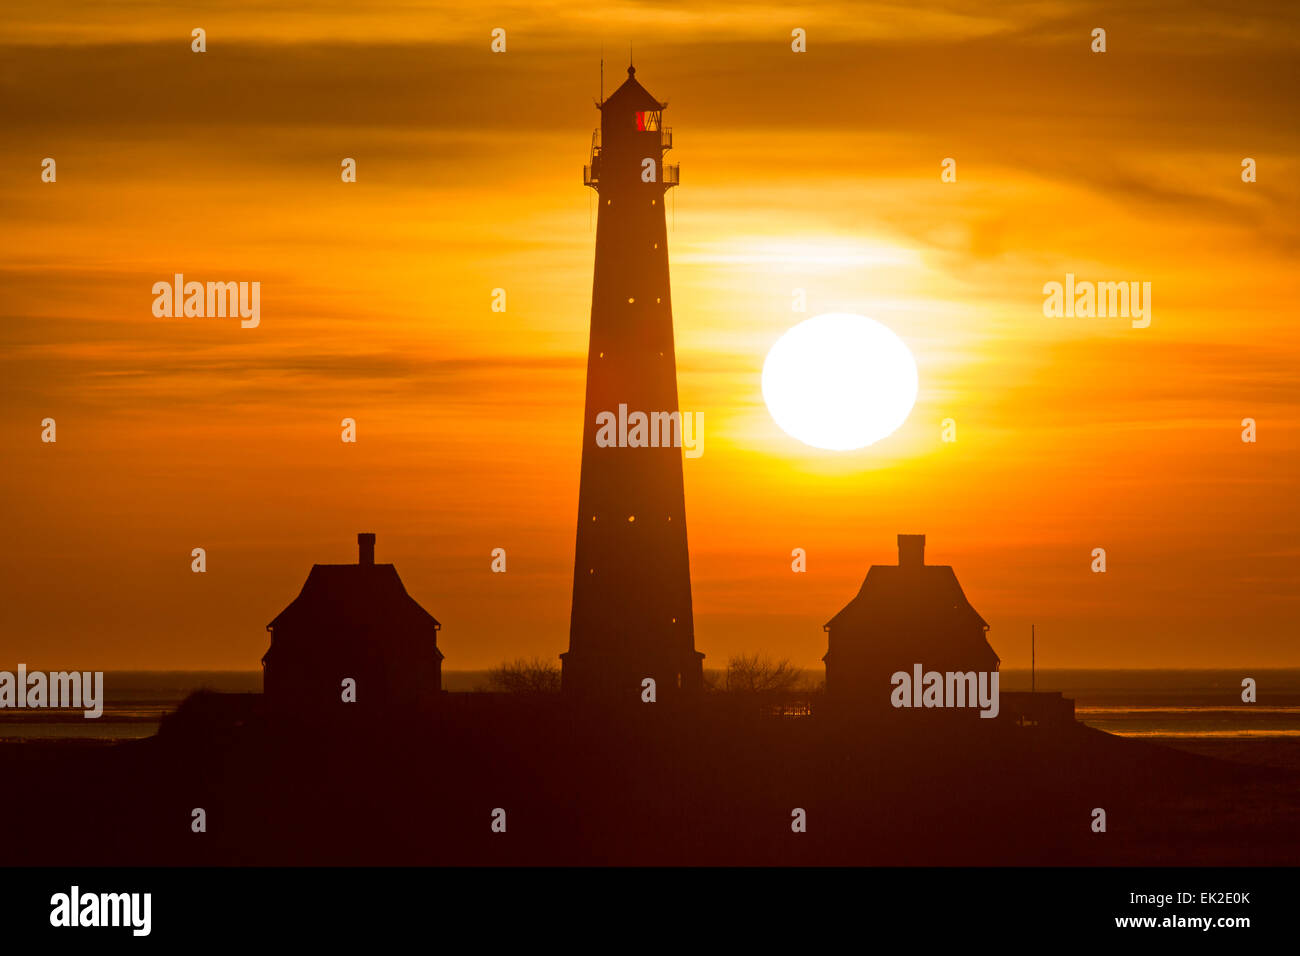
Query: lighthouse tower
point(631, 617)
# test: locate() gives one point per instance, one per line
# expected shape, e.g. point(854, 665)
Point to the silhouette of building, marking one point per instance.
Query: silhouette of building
point(1047, 709)
point(911, 613)
point(631, 616)
point(352, 621)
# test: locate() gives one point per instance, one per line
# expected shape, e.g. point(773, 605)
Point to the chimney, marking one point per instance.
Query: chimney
point(911, 550)
point(366, 550)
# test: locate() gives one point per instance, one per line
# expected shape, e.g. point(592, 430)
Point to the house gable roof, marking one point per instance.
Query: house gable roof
point(354, 599)
point(915, 609)
point(925, 593)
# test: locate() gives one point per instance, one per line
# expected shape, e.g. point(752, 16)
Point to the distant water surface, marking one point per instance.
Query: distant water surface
point(1176, 704)
point(1198, 705)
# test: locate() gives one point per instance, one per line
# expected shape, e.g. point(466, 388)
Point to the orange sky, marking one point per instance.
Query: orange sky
point(817, 171)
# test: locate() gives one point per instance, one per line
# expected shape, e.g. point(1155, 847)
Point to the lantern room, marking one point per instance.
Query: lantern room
point(631, 131)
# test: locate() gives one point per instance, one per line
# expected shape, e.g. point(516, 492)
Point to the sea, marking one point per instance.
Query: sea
point(1198, 710)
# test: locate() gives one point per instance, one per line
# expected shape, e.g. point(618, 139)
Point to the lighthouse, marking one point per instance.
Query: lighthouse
point(631, 620)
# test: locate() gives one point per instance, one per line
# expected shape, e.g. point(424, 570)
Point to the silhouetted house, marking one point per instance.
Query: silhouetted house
point(912, 613)
point(352, 621)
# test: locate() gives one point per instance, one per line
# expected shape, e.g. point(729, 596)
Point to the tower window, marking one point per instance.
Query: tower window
point(630, 300)
point(648, 120)
point(631, 517)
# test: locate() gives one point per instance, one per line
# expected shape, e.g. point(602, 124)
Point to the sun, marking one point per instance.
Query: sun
point(839, 381)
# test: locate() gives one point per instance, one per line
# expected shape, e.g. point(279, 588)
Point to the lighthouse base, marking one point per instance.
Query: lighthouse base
point(600, 677)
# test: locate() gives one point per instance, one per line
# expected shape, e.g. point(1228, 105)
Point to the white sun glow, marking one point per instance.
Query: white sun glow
point(839, 381)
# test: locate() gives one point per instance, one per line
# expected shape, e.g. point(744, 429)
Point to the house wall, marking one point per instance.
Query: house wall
point(306, 675)
point(859, 665)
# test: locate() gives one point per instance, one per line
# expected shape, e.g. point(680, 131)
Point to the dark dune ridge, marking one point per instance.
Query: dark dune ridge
point(713, 783)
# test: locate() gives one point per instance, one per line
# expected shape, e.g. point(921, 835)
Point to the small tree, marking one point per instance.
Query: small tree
point(526, 676)
point(752, 674)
